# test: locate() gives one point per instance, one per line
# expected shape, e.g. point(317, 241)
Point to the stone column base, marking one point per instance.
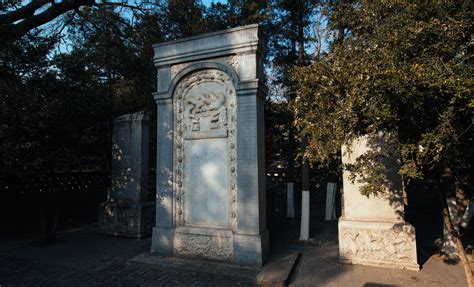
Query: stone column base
point(380, 244)
point(162, 241)
point(203, 242)
point(211, 243)
point(127, 219)
point(252, 250)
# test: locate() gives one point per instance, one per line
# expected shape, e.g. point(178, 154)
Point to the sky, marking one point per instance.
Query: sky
point(208, 2)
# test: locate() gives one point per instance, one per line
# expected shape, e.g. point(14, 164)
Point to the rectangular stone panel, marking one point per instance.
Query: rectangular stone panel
point(206, 188)
point(203, 242)
point(380, 244)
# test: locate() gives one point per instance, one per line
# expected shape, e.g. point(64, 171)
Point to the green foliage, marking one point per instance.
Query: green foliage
point(44, 119)
point(56, 104)
point(394, 66)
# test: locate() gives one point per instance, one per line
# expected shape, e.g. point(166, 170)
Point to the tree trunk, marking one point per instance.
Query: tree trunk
point(447, 187)
point(290, 194)
point(291, 131)
point(305, 199)
point(457, 240)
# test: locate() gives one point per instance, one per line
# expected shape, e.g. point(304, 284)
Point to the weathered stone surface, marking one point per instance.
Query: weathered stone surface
point(277, 273)
point(130, 158)
point(204, 242)
point(127, 213)
point(386, 207)
point(210, 119)
point(206, 177)
point(384, 244)
point(205, 163)
point(127, 219)
point(372, 230)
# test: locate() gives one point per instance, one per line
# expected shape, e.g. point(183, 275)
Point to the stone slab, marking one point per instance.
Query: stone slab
point(209, 243)
point(277, 273)
point(380, 244)
point(207, 196)
point(130, 158)
point(385, 207)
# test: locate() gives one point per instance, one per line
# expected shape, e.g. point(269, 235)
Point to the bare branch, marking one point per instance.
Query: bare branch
point(15, 24)
point(15, 31)
point(23, 12)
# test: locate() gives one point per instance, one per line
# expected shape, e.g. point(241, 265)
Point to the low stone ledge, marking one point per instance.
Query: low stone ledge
point(277, 273)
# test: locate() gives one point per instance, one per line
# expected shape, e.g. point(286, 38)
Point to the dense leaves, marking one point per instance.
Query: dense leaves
point(63, 82)
point(395, 66)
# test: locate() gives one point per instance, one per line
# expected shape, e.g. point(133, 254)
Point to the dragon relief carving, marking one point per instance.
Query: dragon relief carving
point(380, 245)
point(206, 112)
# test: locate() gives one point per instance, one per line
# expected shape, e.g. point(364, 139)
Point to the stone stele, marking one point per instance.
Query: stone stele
point(210, 150)
point(372, 231)
point(127, 211)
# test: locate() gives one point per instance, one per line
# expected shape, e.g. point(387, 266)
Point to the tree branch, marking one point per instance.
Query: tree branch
point(15, 31)
point(15, 24)
point(23, 12)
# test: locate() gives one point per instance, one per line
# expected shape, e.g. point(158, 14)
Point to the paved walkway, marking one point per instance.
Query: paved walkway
point(320, 267)
point(85, 258)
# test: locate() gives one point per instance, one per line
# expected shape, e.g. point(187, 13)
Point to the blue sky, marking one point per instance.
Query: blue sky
point(208, 2)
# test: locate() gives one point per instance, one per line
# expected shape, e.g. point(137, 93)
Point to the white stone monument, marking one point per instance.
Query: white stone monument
point(127, 211)
point(211, 156)
point(372, 231)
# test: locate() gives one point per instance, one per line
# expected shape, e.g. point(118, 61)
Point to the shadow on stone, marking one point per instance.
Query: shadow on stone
point(277, 272)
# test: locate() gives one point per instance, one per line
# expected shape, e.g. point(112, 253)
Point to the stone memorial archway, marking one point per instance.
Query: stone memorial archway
point(211, 156)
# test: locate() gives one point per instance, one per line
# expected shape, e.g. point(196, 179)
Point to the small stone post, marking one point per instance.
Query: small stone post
point(127, 211)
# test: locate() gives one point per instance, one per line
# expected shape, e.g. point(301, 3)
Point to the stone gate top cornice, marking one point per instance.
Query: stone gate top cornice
point(217, 44)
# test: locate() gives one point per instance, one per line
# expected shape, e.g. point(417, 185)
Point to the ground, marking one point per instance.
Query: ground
point(82, 257)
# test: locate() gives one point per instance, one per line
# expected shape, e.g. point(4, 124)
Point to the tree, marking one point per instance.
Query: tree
point(19, 18)
point(288, 38)
point(400, 67)
point(55, 106)
point(283, 33)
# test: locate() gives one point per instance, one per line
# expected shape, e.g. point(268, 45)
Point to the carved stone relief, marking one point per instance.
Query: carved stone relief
point(203, 114)
point(210, 247)
point(384, 245)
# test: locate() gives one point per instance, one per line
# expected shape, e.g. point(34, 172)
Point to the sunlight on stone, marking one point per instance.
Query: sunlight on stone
point(210, 173)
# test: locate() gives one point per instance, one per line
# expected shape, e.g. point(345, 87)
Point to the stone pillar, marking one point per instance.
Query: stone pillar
point(211, 156)
point(127, 211)
point(372, 230)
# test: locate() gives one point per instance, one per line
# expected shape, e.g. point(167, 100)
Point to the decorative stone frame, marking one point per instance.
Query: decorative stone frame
point(189, 80)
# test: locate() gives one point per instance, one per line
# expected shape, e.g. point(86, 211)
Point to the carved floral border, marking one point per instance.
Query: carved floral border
point(204, 76)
